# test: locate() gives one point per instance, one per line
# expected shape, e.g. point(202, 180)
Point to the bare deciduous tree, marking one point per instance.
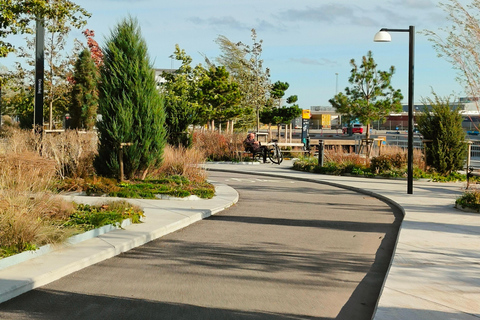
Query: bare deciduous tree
point(459, 43)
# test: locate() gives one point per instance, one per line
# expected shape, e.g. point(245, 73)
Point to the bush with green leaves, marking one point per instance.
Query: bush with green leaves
point(305, 164)
point(87, 217)
point(387, 162)
point(131, 107)
point(441, 127)
point(470, 200)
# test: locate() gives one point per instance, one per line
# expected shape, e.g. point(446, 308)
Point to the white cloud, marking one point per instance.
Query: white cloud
point(315, 62)
point(416, 4)
point(226, 21)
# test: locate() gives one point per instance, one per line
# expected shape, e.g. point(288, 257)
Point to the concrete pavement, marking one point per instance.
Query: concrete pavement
point(434, 273)
point(162, 217)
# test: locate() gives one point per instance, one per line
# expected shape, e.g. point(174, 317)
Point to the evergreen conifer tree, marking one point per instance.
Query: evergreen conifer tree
point(442, 127)
point(131, 107)
point(83, 110)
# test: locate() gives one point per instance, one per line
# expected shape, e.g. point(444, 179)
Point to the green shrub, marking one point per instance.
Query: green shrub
point(387, 162)
point(357, 171)
point(100, 186)
point(305, 164)
point(470, 199)
point(88, 217)
point(442, 126)
point(328, 167)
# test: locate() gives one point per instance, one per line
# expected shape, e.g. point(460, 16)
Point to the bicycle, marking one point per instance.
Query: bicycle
point(274, 153)
point(271, 151)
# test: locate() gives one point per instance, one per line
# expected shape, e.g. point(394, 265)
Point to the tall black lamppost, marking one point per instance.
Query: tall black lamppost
point(384, 36)
point(39, 72)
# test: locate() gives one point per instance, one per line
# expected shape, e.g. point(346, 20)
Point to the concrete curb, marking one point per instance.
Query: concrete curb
point(162, 217)
point(432, 274)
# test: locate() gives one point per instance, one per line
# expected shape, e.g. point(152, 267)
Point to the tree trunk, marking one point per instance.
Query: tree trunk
point(144, 174)
point(50, 121)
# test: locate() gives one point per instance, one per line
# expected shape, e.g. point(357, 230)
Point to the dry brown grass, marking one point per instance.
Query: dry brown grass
point(33, 221)
point(182, 162)
point(217, 146)
point(72, 151)
point(30, 215)
point(341, 157)
point(26, 172)
point(418, 157)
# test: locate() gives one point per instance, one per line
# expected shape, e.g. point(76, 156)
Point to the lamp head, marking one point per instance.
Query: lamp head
point(382, 36)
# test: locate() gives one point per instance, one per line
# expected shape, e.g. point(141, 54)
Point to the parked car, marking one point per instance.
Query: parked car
point(356, 128)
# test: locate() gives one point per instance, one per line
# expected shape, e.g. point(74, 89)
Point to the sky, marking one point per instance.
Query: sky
point(307, 43)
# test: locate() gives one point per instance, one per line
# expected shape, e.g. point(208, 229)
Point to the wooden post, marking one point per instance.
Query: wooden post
point(425, 151)
point(120, 157)
point(468, 163)
point(321, 150)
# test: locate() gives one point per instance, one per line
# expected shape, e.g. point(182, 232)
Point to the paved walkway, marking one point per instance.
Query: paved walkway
point(162, 217)
point(435, 271)
point(434, 274)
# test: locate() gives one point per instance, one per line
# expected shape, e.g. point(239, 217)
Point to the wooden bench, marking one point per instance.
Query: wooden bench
point(297, 151)
point(240, 154)
point(290, 144)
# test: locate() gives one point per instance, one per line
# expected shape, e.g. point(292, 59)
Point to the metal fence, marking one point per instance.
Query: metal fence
point(399, 140)
point(475, 150)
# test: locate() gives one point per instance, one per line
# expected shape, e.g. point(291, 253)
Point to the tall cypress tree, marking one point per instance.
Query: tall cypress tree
point(131, 107)
point(83, 110)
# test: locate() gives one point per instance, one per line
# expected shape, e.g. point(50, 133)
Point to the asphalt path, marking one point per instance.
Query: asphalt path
point(287, 250)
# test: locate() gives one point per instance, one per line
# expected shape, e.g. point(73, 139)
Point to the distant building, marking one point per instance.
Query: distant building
point(158, 75)
point(469, 109)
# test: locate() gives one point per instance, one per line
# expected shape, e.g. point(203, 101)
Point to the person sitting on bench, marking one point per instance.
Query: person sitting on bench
point(253, 146)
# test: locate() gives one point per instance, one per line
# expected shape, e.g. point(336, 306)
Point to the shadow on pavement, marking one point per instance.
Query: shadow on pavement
point(358, 302)
point(53, 305)
point(326, 224)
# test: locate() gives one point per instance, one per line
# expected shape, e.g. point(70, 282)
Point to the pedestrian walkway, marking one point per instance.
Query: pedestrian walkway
point(435, 271)
point(162, 217)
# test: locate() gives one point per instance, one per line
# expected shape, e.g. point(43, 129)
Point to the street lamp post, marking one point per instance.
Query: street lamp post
point(336, 92)
point(384, 36)
point(39, 75)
